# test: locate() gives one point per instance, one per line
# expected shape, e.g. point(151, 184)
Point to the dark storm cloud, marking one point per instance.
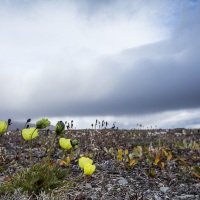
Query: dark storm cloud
point(153, 78)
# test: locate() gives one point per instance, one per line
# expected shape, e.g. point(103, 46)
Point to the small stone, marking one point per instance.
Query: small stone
point(139, 178)
point(122, 181)
point(109, 187)
point(127, 197)
point(157, 197)
point(164, 189)
point(88, 186)
point(98, 189)
point(182, 185)
point(160, 184)
point(186, 196)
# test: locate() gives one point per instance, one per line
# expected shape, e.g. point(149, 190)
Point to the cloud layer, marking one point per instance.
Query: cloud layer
point(96, 58)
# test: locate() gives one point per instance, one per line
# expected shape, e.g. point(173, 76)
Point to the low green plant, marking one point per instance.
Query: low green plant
point(125, 158)
point(184, 145)
point(157, 155)
point(35, 180)
point(109, 151)
point(40, 177)
point(138, 151)
point(151, 173)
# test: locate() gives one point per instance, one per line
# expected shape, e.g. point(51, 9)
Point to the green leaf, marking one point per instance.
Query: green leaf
point(135, 151)
point(119, 155)
point(111, 151)
point(105, 149)
point(150, 159)
point(185, 144)
point(197, 169)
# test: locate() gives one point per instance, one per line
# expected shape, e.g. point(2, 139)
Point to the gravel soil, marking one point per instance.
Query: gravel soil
point(162, 167)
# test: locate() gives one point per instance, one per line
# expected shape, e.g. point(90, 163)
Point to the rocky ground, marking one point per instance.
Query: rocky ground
point(134, 164)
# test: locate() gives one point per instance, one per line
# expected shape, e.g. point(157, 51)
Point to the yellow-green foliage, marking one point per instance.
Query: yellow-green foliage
point(184, 145)
point(34, 180)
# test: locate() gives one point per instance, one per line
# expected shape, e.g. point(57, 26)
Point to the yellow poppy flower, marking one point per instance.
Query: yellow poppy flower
point(89, 169)
point(65, 143)
point(83, 160)
point(29, 133)
point(3, 127)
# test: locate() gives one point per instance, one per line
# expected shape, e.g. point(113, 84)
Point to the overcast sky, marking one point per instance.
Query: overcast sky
point(130, 61)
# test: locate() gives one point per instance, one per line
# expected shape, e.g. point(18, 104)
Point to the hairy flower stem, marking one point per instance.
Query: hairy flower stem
point(1, 136)
point(21, 140)
point(49, 154)
point(50, 148)
point(31, 151)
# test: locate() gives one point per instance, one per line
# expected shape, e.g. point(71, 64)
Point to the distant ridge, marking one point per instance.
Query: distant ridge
point(20, 125)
